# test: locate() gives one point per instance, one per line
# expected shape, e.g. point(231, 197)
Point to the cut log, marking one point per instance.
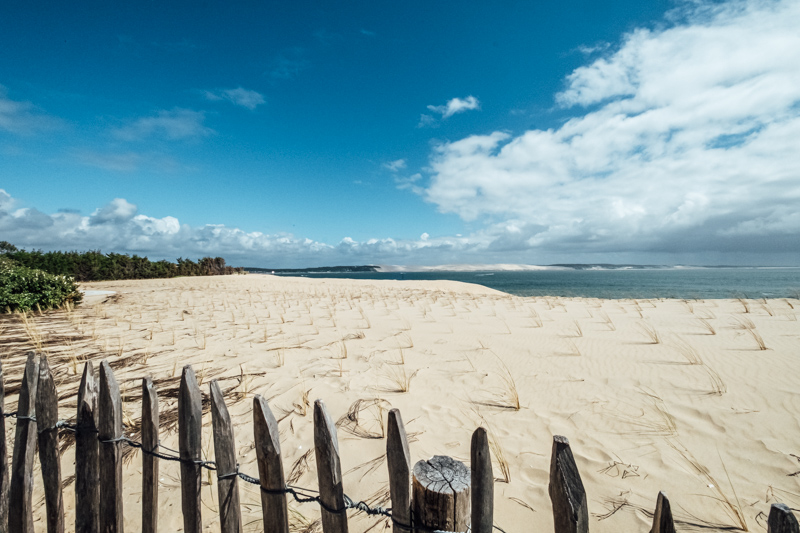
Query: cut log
point(441, 494)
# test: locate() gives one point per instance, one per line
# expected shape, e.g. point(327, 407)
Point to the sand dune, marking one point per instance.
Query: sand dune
point(653, 394)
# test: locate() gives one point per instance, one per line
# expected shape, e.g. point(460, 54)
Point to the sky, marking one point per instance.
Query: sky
point(306, 133)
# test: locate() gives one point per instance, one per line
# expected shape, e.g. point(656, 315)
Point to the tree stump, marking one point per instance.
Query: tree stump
point(441, 489)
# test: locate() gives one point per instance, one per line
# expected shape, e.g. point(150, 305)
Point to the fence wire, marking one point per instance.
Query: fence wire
point(300, 494)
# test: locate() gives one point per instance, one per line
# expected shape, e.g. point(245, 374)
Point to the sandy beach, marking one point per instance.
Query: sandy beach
point(696, 398)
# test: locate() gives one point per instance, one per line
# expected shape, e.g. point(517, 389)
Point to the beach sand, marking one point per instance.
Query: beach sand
point(653, 395)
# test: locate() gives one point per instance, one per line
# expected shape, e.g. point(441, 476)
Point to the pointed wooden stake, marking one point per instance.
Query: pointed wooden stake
point(47, 418)
point(270, 468)
point(662, 517)
point(109, 425)
point(329, 471)
point(230, 516)
point(570, 513)
point(190, 433)
point(781, 519)
point(482, 483)
point(398, 459)
point(5, 477)
point(87, 487)
point(149, 462)
point(20, 492)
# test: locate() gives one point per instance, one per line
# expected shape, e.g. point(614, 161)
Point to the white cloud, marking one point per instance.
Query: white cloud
point(394, 166)
point(119, 227)
point(683, 139)
point(116, 211)
point(456, 105)
point(175, 124)
point(238, 96)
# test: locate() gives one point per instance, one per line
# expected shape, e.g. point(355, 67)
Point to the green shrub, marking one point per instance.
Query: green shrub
point(22, 288)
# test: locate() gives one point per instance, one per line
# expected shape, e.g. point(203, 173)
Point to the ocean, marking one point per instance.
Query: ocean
point(687, 283)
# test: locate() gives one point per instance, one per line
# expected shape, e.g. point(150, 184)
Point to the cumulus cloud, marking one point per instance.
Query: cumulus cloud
point(238, 96)
point(174, 124)
point(682, 139)
point(119, 227)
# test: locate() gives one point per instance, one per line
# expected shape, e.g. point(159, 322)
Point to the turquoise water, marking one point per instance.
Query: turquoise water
point(621, 283)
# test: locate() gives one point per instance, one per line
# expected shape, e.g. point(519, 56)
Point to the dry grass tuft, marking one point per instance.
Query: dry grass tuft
point(686, 350)
point(606, 320)
point(365, 419)
point(705, 324)
point(399, 380)
point(749, 328)
point(733, 510)
point(508, 396)
point(651, 332)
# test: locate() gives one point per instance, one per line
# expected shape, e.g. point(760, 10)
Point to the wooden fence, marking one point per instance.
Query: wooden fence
point(439, 494)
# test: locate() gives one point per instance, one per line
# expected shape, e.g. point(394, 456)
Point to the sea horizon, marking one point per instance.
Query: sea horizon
point(599, 280)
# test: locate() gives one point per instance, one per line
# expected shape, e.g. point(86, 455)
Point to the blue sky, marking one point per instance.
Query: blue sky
point(310, 133)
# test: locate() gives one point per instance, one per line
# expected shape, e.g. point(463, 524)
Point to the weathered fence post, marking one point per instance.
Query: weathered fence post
point(398, 459)
point(781, 519)
point(47, 418)
point(230, 515)
point(482, 483)
point(441, 494)
point(662, 517)
point(20, 493)
point(270, 468)
point(570, 514)
point(329, 471)
point(109, 407)
point(87, 488)
point(4, 473)
point(149, 462)
point(190, 433)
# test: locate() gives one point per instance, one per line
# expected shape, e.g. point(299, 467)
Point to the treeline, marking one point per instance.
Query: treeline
point(97, 266)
